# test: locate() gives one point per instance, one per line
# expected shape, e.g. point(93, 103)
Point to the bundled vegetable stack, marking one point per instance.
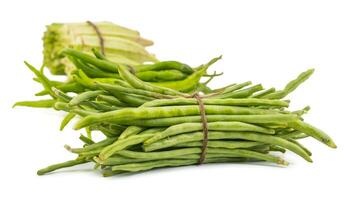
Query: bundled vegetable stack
point(156, 114)
point(119, 44)
point(151, 125)
point(89, 69)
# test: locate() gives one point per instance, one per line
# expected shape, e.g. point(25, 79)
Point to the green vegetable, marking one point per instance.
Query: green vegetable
point(150, 119)
point(122, 45)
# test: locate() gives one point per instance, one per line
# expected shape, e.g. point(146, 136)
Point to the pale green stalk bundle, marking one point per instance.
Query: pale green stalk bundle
point(121, 45)
point(150, 124)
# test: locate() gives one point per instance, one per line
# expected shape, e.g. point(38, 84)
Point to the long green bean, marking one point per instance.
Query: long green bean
point(171, 111)
point(291, 86)
point(84, 97)
point(131, 130)
point(212, 126)
point(313, 132)
point(206, 101)
point(213, 135)
point(61, 165)
point(46, 103)
point(221, 144)
point(279, 119)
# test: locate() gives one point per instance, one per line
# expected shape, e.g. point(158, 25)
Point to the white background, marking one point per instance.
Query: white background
point(268, 42)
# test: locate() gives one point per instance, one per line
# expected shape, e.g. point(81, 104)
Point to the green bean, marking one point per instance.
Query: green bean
point(66, 120)
point(86, 140)
point(122, 144)
point(221, 144)
point(291, 134)
point(117, 126)
point(212, 126)
point(213, 135)
point(108, 172)
point(248, 154)
point(114, 89)
point(122, 83)
point(111, 100)
point(277, 148)
point(188, 151)
point(61, 95)
point(241, 93)
point(313, 132)
point(302, 111)
point(94, 146)
point(279, 119)
point(70, 87)
point(107, 131)
point(88, 132)
point(137, 83)
point(45, 103)
point(52, 83)
point(188, 83)
point(132, 99)
point(64, 97)
point(134, 167)
point(98, 54)
point(84, 79)
point(152, 130)
point(301, 146)
point(165, 65)
point(260, 94)
point(65, 87)
point(42, 93)
point(163, 75)
point(220, 90)
point(159, 112)
point(90, 154)
point(64, 106)
point(100, 106)
point(234, 87)
point(54, 167)
point(300, 136)
point(206, 101)
point(102, 64)
point(84, 97)
point(43, 79)
point(91, 71)
point(291, 86)
point(80, 112)
point(87, 84)
point(131, 130)
point(159, 155)
point(119, 160)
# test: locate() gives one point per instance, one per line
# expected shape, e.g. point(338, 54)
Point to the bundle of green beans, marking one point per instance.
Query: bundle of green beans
point(148, 125)
point(171, 74)
point(121, 44)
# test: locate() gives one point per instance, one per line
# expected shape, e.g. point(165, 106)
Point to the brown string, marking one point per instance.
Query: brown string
point(99, 35)
point(205, 127)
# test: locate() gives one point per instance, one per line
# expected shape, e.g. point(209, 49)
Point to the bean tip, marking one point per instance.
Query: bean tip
point(283, 162)
point(68, 148)
point(98, 160)
point(39, 173)
point(332, 145)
